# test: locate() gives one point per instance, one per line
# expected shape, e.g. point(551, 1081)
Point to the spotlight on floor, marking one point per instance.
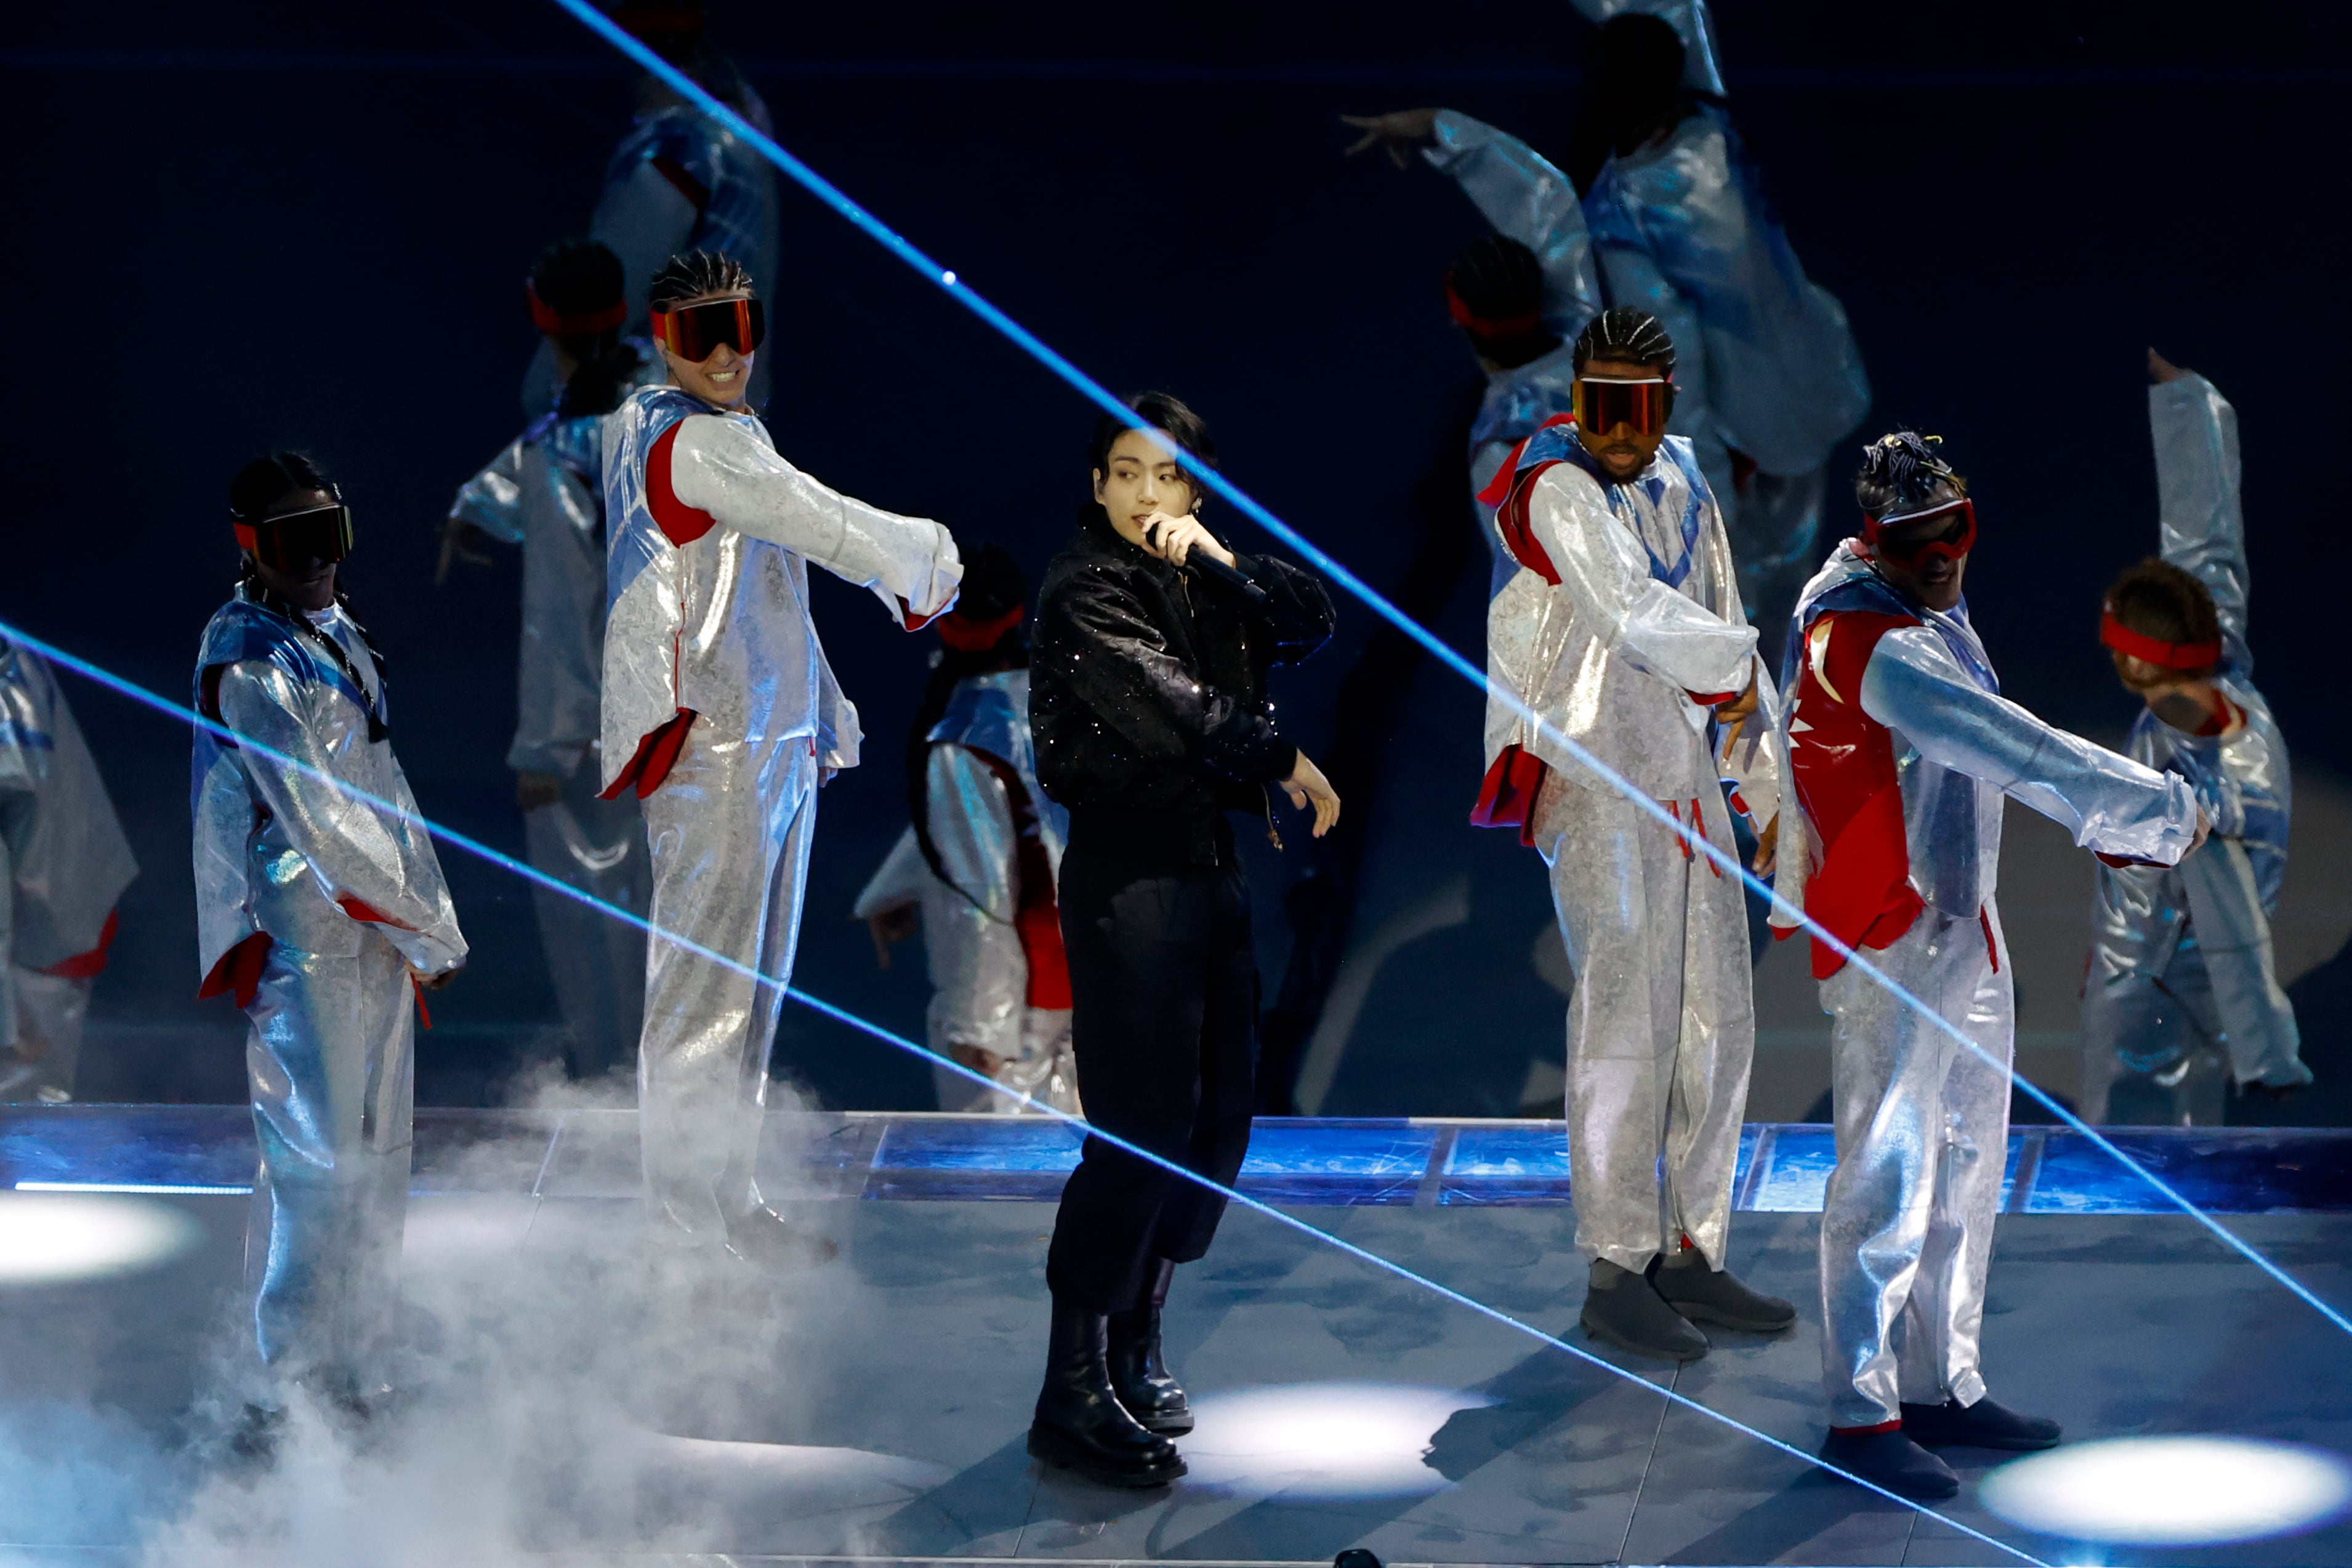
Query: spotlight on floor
point(2171, 1491)
point(1321, 1439)
point(52, 1239)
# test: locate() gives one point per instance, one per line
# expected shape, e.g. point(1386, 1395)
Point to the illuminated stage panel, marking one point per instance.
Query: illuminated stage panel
point(2223, 1170)
point(1343, 1162)
point(973, 1157)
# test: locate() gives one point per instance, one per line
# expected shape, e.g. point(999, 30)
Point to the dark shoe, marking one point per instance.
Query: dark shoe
point(769, 1240)
point(1621, 1308)
point(1715, 1295)
point(1983, 1424)
point(1080, 1424)
point(1138, 1376)
point(1891, 1459)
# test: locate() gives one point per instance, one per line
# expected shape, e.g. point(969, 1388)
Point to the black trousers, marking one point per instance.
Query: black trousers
point(1163, 988)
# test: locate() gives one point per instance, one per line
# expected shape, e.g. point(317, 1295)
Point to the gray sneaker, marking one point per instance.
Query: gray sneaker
point(1621, 1307)
point(1717, 1296)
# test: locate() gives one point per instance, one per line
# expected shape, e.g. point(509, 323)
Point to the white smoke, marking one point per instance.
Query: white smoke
point(560, 1389)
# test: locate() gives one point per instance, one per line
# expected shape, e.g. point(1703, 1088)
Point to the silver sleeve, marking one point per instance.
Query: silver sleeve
point(719, 466)
point(1518, 191)
point(971, 827)
point(1602, 567)
point(896, 883)
point(2197, 474)
point(353, 847)
point(2108, 802)
point(492, 500)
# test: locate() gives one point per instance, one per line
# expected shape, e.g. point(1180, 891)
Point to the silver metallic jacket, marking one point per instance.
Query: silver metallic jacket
point(546, 493)
point(1959, 747)
point(2140, 915)
point(681, 182)
point(280, 850)
point(1766, 366)
point(1519, 192)
point(715, 621)
point(64, 861)
point(1612, 655)
point(979, 971)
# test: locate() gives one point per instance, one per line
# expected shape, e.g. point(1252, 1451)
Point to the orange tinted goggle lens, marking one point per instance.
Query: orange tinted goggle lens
point(1948, 531)
point(285, 543)
point(694, 332)
point(1601, 406)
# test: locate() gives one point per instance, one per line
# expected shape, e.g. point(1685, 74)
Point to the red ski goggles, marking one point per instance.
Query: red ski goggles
point(1601, 406)
point(693, 332)
point(1908, 539)
point(296, 539)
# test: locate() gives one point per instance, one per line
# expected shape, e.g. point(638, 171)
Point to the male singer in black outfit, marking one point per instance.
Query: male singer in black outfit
point(1148, 698)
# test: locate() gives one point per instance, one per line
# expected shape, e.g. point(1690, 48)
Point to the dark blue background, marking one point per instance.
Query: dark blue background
point(286, 225)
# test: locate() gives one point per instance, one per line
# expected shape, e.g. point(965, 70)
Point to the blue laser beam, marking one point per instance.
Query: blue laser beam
point(1095, 392)
point(531, 874)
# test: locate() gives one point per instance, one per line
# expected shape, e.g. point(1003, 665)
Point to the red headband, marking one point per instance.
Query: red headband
point(2114, 634)
point(547, 319)
point(1489, 329)
point(968, 636)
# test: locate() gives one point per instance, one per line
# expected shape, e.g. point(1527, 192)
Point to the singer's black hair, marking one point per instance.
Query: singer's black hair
point(1163, 412)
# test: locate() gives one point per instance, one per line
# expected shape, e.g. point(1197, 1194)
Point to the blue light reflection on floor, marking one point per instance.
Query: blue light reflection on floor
point(1782, 1168)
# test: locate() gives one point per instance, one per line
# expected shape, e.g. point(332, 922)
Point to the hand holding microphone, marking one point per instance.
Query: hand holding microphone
point(1184, 542)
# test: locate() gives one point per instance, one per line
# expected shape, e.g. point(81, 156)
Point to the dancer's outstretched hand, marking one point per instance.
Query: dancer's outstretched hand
point(460, 541)
point(1397, 133)
point(1305, 787)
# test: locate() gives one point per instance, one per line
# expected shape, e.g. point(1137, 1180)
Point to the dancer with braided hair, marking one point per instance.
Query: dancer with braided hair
point(1622, 630)
point(976, 867)
point(721, 714)
point(1902, 749)
point(321, 908)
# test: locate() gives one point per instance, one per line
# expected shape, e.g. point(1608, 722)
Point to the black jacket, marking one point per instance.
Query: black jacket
point(1147, 692)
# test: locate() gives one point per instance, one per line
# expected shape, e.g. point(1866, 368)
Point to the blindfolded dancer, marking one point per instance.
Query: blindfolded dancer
point(64, 864)
point(1902, 749)
point(721, 715)
point(1622, 629)
point(1149, 695)
point(321, 910)
point(976, 869)
point(546, 493)
point(2182, 998)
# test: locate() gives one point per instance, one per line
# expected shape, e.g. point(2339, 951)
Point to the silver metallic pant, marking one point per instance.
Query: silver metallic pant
point(1661, 1024)
point(729, 829)
point(51, 1014)
point(596, 962)
point(1922, 1141)
point(1045, 1070)
point(2164, 1048)
point(333, 1071)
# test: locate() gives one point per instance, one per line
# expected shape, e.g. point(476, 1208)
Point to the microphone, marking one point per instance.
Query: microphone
point(1210, 566)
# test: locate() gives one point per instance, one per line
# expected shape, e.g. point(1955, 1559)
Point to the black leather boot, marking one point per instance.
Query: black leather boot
point(1138, 1376)
point(1080, 1424)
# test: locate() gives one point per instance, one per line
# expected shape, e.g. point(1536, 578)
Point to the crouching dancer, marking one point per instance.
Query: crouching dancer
point(721, 714)
point(1148, 696)
point(2182, 998)
point(1622, 630)
point(321, 908)
point(1902, 749)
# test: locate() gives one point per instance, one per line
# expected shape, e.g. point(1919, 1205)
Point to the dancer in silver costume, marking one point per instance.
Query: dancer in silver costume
point(546, 493)
point(1520, 294)
point(64, 864)
point(322, 914)
point(978, 870)
point(1770, 379)
point(720, 711)
point(1902, 750)
point(2183, 999)
point(679, 180)
point(1623, 629)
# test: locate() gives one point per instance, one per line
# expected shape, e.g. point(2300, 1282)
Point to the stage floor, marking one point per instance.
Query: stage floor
point(564, 1409)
